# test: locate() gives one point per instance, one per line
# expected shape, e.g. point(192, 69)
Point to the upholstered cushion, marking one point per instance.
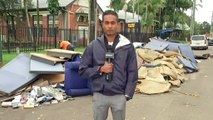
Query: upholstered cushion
point(74, 84)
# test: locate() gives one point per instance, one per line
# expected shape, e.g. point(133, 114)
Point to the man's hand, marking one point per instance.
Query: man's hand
point(127, 97)
point(106, 68)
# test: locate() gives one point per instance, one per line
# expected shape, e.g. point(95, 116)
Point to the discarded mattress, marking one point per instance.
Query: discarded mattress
point(15, 74)
point(156, 45)
point(188, 65)
point(185, 50)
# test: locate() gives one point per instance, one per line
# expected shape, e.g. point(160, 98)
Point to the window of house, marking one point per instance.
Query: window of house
point(82, 19)
point(52, 25)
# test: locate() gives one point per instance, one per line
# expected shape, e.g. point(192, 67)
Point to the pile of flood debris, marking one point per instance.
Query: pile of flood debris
point(162, 65)
point(37, 96)
point(28, 81)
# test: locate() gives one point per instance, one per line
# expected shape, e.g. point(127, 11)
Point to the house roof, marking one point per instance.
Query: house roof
point(82, 10)
point(62, 3)
point(44, 4)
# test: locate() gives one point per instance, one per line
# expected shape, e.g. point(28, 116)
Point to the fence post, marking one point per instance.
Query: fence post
point(55, 37)
point(8, 39)
point(35, 38)
point(84, 37)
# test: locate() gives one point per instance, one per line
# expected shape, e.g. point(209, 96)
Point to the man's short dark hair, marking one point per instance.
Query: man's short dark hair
point(109, 12)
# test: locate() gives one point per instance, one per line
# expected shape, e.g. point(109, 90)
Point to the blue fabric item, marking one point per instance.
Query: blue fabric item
point(184, 49)
point(77, 58)
point(74, 84)
point(78, 92)
point(188, 65)
point(172, 46)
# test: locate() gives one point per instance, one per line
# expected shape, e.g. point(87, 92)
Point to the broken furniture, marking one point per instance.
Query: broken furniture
point(46, 59)
point(15, 74)
point(74, 84)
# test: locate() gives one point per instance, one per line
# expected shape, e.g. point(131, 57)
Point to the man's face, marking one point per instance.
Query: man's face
point(110, 25)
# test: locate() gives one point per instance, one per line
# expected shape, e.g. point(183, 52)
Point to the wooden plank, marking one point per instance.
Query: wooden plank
point(46, 59)
point(62, 53)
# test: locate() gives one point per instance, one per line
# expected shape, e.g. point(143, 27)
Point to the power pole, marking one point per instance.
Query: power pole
point(192, 18)
point(92, 21)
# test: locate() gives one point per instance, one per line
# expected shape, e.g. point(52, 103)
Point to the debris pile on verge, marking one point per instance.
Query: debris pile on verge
point(38, 80)
point(51, 94)
point(159, 68)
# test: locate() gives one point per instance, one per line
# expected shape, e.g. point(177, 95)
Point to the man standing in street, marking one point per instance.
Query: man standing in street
point(110, 63)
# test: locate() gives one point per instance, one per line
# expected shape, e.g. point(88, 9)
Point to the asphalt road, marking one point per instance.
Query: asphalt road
point(193, 100)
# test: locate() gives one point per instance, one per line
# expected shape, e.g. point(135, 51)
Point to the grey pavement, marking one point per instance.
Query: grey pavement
point(193, 100)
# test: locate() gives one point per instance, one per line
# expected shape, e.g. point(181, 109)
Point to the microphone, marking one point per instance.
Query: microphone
point(109, 58)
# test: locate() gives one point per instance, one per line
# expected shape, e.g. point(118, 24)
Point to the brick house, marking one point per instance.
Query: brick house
point(72, 19)
point(71, 22)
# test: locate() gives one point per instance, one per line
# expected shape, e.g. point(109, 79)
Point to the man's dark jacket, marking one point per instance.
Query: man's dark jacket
point(125, 73)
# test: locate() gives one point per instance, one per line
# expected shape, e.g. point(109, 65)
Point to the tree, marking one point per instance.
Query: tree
point(204, 27)
point(9, 10)
point(194, 7)
point(173, 12)
point(149, 9)
point(53, 7)
point(117, 4)
point(155, 13)
point(28, 20)
point(196, 28)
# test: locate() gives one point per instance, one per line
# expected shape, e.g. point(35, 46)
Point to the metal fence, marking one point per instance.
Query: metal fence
point(34, 39)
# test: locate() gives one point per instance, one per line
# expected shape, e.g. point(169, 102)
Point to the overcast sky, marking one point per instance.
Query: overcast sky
point(201, 14)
